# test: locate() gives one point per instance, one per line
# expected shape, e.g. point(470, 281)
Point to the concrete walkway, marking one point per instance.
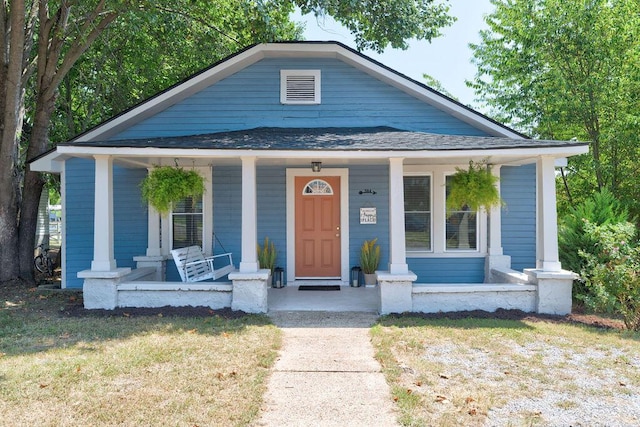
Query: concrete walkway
point(326, 374)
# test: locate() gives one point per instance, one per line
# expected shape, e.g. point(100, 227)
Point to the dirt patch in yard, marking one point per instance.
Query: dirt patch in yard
point(577, 317)
point(77, 310)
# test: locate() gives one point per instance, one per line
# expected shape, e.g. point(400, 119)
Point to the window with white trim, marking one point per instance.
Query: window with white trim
point(187, 223)
point(300, 87)
point(417, 212)
point(431, 229)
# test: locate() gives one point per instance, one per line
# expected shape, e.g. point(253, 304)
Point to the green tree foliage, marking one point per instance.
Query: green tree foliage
point(612, 273)
point(569, 69)
point(573, 240)
point(377, 24)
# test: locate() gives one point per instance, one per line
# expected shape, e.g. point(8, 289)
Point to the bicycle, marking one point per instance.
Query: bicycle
point(42, 262)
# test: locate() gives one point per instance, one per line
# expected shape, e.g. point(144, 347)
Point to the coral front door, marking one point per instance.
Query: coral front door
point(317, 218)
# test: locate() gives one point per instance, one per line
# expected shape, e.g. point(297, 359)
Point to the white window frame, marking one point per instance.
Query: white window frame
point(439, 215)
point(305, 73)
point(431, 212)
point(207, 213)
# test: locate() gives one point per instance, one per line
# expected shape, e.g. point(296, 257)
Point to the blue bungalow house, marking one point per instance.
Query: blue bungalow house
point(319, 148)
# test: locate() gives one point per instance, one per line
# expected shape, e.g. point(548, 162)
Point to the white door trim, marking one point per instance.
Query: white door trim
point(343, 173)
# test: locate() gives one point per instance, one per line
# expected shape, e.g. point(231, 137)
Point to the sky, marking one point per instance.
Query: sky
point(447, 58)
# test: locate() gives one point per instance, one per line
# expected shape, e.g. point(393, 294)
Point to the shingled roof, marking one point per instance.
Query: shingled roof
point(331, 139)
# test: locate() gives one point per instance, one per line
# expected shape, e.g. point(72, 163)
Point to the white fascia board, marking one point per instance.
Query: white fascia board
point(52, 162)
point(557, 152)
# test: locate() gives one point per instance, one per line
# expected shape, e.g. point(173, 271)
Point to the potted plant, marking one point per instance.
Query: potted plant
point(369, 260)
point(166, 185)
point(267, 256)
point(474, 188)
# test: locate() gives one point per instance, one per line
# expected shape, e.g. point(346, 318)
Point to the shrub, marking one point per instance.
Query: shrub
point(612, 274)
point(602, 208)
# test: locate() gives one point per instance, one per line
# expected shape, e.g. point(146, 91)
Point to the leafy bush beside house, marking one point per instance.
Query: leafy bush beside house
point(612, 271)
point(602, 208)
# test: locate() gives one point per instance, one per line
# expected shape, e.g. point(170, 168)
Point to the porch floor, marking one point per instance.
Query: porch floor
point(347, 298)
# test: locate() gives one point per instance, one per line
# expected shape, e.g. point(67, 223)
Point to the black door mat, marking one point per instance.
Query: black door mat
point(319, 287)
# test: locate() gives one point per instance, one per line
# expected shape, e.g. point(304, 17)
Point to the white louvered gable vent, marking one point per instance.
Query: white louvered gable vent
point(300, 86)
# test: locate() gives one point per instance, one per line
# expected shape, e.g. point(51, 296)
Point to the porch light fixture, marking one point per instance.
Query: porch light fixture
point(316, 166)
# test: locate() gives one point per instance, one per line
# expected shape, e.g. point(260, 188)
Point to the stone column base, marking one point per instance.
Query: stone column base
point(100, 287)
point(495, 261)
point(250, 291)
point(554, 290)
point(395, 292)
point(158, 262)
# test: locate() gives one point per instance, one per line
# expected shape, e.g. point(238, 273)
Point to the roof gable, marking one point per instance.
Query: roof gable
point(298, 51)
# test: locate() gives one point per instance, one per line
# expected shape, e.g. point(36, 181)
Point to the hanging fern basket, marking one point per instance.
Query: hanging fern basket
point(166, 185)
point(474, 188)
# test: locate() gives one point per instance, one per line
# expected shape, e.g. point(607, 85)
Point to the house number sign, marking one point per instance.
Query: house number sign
point(368, 215)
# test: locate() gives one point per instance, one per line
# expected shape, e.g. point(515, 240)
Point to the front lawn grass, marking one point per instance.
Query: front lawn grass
point(475, 372)
point(130, 370)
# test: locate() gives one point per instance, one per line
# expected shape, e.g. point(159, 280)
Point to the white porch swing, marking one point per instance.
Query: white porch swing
point(193, 266)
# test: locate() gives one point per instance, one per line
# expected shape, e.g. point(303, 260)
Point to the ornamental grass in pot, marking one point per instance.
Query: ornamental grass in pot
point(369, 261)
point(267, 255)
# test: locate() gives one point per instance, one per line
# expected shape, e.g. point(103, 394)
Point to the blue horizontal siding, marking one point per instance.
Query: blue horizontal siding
point(376, 178)
point(79, 203)
point(251, 98)
point(227, 210)
point(272, 208)
point(518, 190)
point(447, 270)
point(130, 217)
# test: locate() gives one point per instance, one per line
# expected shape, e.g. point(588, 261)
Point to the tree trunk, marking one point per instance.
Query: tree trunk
point(33, 182)
point(11, 97)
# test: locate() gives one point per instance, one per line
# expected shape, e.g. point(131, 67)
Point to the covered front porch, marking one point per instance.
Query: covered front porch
point(357, 158)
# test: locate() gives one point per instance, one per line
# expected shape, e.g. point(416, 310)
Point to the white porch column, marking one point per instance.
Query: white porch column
point(495, 221)
point(495, 256)
point(249, 259)
point(153, 239)
point(547, 247)
point(103, 259)
point(397, 256)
